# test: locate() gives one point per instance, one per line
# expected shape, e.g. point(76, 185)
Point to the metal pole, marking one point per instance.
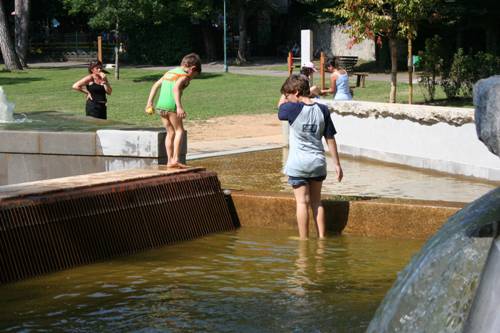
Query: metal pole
point(225, 39)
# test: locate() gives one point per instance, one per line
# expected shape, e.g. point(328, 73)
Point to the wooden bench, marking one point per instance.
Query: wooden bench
point(360, 79)
point(347, 62)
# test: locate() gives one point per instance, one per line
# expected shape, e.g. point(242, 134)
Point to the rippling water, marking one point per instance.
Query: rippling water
point(250, 280)
point(261, 171)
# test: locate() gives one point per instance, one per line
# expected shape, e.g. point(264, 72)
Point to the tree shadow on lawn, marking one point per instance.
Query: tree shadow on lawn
point(60, 121)
point(7, 81)
point(153, 78)
point(453, 102)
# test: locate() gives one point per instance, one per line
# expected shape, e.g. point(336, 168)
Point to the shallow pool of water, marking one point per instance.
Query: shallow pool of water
point(261, 171)
point(249, 280)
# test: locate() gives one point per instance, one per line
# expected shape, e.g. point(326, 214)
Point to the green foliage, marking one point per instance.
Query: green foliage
point(163, 44)
point(466, 70)
point(430, 64)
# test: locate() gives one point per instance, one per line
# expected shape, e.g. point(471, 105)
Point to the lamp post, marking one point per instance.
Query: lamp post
point(225, 41)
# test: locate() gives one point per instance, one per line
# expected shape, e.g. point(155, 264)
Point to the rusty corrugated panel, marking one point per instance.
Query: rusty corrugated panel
point(54, 231)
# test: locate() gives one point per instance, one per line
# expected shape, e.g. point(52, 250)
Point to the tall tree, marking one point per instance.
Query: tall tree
point(207, 12)
point(391, 18)
point(6, 46)
point(21, 28)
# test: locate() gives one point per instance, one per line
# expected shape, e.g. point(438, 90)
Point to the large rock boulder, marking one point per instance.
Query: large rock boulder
point(487, 113)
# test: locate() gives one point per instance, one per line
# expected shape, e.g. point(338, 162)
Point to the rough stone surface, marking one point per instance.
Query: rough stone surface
point(423, 114)
point(487, 113)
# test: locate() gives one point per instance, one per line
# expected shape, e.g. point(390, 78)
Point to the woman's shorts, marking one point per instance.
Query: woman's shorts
point(96, 109)
point(163, 112)
point(299, 181)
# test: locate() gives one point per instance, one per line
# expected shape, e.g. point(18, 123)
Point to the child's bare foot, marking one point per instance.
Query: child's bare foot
point(173, 165)
point(181, 165)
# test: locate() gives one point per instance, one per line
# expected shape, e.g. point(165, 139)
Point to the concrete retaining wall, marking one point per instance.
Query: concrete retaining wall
point(405, 219)
point(437, 138)
point(119, 143)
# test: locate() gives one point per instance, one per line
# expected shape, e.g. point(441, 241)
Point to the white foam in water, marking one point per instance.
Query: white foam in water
point(7, 110)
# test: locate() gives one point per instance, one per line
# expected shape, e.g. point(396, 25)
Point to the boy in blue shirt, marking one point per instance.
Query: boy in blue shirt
point(306, 163)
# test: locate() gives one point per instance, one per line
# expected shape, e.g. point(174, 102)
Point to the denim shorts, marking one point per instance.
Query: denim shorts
point(299, 181)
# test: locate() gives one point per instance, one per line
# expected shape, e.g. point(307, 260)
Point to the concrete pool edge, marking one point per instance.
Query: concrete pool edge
point(371, 217)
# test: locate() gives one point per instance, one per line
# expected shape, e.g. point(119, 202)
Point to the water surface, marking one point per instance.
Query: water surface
point(249, 280)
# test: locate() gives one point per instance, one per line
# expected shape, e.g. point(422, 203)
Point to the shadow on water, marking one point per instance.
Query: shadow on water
point(155, 77)
point(61, 121)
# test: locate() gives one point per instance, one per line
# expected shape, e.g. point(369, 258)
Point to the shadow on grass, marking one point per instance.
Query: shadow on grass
point(156, 77)
point(6, 81)
point(454, 102)
point(60, 121)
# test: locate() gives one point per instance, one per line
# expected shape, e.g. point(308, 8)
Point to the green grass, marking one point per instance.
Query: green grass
point(46, 97)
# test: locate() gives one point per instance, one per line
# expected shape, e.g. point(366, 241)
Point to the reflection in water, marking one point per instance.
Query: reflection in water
point(250, 280)
point(261, 171)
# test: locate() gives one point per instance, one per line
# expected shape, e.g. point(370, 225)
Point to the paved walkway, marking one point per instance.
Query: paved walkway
point(260, 69)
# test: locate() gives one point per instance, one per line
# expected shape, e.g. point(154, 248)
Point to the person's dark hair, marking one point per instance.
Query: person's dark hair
point(334, 62)
point(93, 64)
point(192, 59)
point(296, 83)
point(306, 71)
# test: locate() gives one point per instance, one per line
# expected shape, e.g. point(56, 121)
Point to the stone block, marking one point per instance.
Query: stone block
point(487, 112)
point(67, 143)
point(19, 142)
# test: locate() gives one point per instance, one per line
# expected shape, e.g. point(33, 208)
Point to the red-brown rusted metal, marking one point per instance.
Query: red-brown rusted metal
point(48, 232)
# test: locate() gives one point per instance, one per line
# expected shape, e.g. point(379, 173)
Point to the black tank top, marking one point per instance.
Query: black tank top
point(97, 92)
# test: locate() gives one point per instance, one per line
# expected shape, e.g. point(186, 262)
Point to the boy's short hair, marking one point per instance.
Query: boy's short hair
point(296, 83)
point(192, 60)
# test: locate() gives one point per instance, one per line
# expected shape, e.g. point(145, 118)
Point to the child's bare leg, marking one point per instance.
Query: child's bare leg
point(302, 200)
point(317, 208)
point(178, 128)
point(169, 139)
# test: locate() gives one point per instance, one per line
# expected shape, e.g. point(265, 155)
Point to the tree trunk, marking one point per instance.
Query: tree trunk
point(393, 44)
point(9, 55)
point(242, 24)
point(22, 19)
point(410, 71)
point(208, 41)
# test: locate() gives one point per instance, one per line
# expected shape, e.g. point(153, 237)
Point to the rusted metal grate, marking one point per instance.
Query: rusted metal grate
point(46, 233)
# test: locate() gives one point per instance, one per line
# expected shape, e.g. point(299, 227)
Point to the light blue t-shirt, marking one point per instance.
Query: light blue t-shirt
point(308, 124)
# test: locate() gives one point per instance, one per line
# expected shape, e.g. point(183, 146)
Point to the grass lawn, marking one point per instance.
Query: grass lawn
point(45, 96)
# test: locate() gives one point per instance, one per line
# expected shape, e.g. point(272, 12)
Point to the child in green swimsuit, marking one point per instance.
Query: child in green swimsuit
point(169, 105)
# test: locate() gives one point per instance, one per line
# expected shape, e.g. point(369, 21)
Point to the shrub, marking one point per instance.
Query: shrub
point(465, 70)
point(430, 64)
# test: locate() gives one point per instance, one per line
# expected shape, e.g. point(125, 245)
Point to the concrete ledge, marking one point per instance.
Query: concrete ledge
point(26, 142)
point(119, 143)
point(422, 114)
point(67, 143)
point(405, 219)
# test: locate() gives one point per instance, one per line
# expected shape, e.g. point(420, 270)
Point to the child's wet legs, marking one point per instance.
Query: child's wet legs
point(317, 208)
point(302, 200)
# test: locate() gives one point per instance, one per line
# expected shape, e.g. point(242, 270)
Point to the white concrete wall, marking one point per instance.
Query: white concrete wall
point(403, 137)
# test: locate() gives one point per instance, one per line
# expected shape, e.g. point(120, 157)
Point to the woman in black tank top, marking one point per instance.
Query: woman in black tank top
point(96, 87)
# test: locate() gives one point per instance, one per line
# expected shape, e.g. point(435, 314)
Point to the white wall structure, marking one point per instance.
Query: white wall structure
point(437, 138)
point(306, 46)
point(335, 41)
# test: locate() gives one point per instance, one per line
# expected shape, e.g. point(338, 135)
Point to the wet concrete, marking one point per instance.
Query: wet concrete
point(406, 219)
